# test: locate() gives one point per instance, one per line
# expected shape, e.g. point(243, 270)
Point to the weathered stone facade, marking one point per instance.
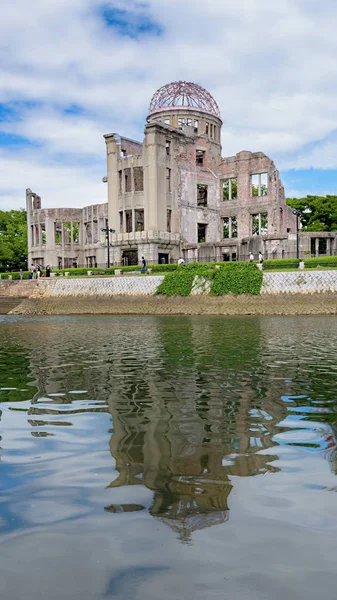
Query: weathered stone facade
point(65, 237)
point(175, 196)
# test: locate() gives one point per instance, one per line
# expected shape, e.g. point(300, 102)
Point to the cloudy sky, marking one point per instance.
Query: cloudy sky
point(72, 70)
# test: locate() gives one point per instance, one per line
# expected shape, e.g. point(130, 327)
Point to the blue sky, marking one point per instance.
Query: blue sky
point(72, 71)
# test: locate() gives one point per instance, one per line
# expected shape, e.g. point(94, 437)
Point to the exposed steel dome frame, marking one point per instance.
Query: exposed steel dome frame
point(184, 95)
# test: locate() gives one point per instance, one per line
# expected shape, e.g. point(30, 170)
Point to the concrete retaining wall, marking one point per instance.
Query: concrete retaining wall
point(99, 286)
point(299, 282)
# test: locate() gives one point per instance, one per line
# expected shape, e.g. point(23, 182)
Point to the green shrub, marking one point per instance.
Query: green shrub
point(177, 283)
point(230, 277)
point(237, 278)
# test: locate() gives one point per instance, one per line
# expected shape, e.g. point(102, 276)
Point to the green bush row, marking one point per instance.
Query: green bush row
point(229, 278)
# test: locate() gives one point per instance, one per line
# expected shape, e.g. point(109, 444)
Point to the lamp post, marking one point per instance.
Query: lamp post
point(107, 230)
point(298, 214)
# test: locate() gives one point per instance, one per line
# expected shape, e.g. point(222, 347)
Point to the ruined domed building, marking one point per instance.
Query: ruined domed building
point(173, 195)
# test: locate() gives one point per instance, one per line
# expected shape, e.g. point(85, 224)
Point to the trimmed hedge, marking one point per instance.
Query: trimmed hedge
point(283, 263)
point(317, 262)
point(229, 278)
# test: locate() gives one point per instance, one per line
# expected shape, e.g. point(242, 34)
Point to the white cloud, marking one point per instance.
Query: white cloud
point(270, 65)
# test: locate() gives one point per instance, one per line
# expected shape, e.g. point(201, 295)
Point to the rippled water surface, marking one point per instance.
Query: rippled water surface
point(161, 458)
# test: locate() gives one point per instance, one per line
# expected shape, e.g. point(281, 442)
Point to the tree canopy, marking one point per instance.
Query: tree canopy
point(318, 213)
point(13, 240)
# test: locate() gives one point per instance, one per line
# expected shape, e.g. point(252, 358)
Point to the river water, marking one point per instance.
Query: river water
point(168, 458)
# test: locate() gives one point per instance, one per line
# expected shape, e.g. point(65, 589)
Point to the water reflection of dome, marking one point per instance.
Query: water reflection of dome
point(185, 526)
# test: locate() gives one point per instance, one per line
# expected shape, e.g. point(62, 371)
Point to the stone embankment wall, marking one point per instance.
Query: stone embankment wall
point(299, 282)
point(282, 293)
point(98, 286)
point(294, 282)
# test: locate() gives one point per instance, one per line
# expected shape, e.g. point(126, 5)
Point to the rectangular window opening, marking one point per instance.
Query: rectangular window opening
point(120, 181)
point(139, 218)
point(202, 192)
point(230, 189)
point(260, 184)
point(121, 221)
point(322, 245)
point(58, 233)
point(127, 180)
point(181, 123)
point(196, 125)
point(168, 180)
point(207, 128)
point(43, 234)
point(138, 179)
point(169, 219)
point(76, 233)
point(168, 148)
point(167, 121)
point(202, 229)
point(259, 224)
point(128, 221)
point(200, 157)
point(230, 227)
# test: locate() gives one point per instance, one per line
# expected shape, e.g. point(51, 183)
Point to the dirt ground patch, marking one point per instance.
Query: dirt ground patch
point(283, 304)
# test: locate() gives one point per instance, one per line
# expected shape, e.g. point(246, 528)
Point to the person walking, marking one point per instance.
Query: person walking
point(47, 271)
point(143, 269)
point(251, 257)
point(260, 258)
point(21, 274)
point(181, 261)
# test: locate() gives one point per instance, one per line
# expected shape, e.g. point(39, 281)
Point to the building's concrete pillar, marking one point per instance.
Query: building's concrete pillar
point(316, 246)
point(113, 180)
point(155, 179)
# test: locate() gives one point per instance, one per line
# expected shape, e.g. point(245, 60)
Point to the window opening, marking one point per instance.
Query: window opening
point(121, 221)
point(230, 227)
point(169, 218)
point(168, 147)
point(196, 125)
point(43, 234)
point(322, 246)
point(128, 221)
point(67, 233)
point(202, 228)
point(58, 233)
point(76, 233)
point(189, 122)
point(207, 128)
point(120, 181)
point(260, 224)
point(202, 194)
point(200, 157)
point(260, 184)
point(211, 130)
point(139, 218)
point(181, 123)
point(230, 189)
point(167, 121)
point(127, 180)
point(138, 179)
point(168, 180)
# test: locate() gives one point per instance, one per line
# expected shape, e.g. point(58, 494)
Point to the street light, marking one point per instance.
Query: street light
point(107, 231)
point(298, 214)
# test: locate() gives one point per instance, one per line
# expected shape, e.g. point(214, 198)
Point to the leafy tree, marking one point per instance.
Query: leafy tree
point(13, 240)
point(318, 213)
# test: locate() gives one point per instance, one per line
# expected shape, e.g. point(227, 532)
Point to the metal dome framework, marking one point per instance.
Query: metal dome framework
point(184, 94)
